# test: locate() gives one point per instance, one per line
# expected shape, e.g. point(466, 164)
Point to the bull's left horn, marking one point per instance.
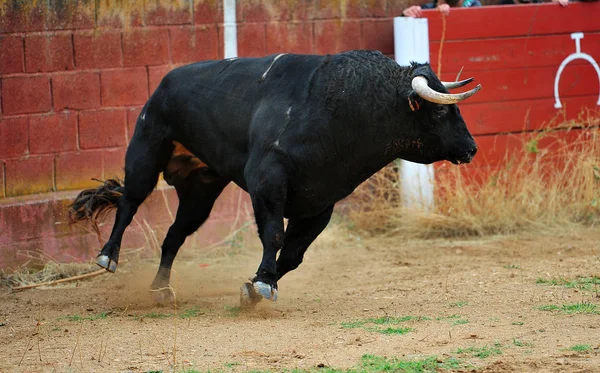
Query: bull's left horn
point(419, 84)
point(452, 85)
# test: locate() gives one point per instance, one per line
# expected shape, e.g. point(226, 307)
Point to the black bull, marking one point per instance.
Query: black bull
point(297, 132)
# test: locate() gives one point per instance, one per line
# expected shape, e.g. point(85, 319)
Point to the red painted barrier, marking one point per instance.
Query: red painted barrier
point(515, 53)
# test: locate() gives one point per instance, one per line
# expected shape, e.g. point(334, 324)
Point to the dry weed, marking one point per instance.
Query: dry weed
point(551, 182)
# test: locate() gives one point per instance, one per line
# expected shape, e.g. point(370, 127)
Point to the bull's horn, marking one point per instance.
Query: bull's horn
point(452, 85)
point(419, 84)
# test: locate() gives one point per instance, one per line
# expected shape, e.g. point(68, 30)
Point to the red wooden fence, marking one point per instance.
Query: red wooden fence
point(515, 53)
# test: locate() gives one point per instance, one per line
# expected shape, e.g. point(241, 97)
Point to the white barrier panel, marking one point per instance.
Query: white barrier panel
point(411, 44)
point(230, 28)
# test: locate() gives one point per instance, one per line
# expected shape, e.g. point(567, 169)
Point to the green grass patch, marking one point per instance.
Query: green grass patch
point(233, 310)
point(377, 324)
point(460, 322)
point(481, 352)
point(460, 304)
point(454, 316)
point(584, 308)
point(191, 312)
point(155, 315)
point(512, 266)
point(580, 348)
point(519, 343)
point(581, 283)
point(390, 330)
point(518, 323)
point(98, 316)
point(376, 364)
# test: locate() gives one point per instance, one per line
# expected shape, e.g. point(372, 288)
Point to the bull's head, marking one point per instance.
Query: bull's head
point(446, 135)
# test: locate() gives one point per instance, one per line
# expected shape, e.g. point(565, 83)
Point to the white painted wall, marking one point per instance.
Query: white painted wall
point(411, 43)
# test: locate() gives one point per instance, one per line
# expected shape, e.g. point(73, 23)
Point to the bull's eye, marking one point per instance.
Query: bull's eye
point(440, 109)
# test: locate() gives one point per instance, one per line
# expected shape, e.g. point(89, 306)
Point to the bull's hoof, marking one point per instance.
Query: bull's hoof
point(265, 290)
point(248, 297)
point(163, 296)
point(106, 263)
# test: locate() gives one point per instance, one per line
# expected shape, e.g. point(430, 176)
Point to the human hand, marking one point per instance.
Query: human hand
point(412, 11)
point(562, 3)
point(444, 9)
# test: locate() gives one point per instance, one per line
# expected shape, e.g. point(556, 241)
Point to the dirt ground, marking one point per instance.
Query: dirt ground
point(480, 304)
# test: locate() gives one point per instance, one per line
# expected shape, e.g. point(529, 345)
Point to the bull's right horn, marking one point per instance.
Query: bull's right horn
point(419, 84)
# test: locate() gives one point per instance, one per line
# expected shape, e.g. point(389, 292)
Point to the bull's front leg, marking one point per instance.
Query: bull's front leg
point(267, 189)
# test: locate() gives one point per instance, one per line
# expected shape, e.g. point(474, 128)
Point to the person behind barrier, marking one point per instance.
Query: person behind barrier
point(443, 6)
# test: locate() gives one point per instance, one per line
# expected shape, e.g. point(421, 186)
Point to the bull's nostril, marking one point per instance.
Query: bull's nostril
point(473, 151)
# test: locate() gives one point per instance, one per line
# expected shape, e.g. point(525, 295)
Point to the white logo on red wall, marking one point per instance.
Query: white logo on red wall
point(575, 56)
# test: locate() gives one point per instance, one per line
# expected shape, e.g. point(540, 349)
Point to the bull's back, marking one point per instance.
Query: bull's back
point(209, 106)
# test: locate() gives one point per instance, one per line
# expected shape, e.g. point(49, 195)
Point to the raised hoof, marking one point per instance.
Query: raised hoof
point(265, 290)
point(163, 296)
point(106, 263)
point(248, 297)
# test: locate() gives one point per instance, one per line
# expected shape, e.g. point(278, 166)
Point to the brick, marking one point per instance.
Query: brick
point(79, 90)
point(99, 49)
point(364, 8)
point(114, 163)
point(196, 43)
point(208, 11)
point(378, 35)
point(166, 12)
point(256, 11)
point(336, 36)
point(102, 128)
point(220, 36)
point(132, 116)
point(129, 14)
point(251, 40)
point(2, 191)
point(155, 75)
point(11, 54)
point(70, 15)
point(22, 16)
point(13, 137)
point(29, 175)
point(146, 47)
point(28, 94)
point(76, 170)
point(48, 53)
point(124, 87)
point(320, 9)
point(52, 133)
point(284, 37)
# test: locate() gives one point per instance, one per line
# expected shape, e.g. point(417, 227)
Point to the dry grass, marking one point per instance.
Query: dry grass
point(548, 182)
point(51, 271)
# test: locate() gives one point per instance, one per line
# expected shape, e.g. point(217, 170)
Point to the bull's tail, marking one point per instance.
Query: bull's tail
point(93, 204)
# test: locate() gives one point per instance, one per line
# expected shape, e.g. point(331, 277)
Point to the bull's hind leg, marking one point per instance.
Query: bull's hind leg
point(197, 195)
point(147, 155)
point(299, 235)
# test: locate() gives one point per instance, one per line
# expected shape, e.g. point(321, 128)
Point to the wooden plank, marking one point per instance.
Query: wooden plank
point(514, 20)
point(525, 115)
point(495, 150)
point(512, 53)
point(531, 83)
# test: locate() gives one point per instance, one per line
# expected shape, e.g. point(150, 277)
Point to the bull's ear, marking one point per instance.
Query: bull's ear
point(414, 101)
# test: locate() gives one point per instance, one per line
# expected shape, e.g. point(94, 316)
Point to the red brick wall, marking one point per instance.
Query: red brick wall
point(74, 75)
point(73, 79)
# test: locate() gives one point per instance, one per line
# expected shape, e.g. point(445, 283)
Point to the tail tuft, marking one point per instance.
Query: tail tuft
point(93, 204)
